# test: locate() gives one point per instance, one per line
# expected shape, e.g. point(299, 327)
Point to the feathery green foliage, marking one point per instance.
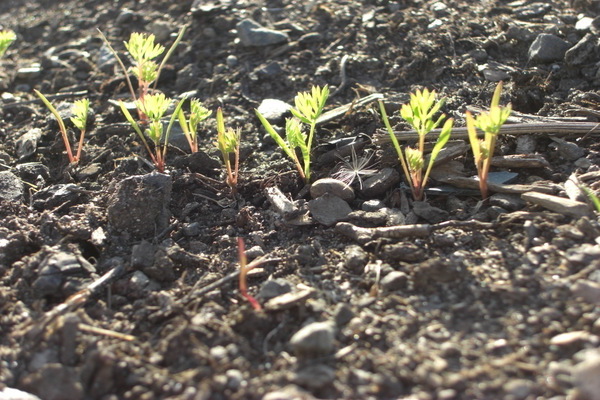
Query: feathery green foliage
point(154, 107)
point(228, 143)
point(309, 107)
point(490, 123)
point(419, 113)
point(80, 111)
point(198, 113)
point(6, 39)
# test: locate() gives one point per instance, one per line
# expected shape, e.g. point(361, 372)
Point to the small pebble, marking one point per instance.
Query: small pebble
point(332, 186)
point(314, 340)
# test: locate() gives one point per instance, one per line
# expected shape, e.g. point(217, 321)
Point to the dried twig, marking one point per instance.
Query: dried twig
point(549, 128)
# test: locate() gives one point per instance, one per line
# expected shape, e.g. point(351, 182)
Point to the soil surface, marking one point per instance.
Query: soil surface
point(119, 282)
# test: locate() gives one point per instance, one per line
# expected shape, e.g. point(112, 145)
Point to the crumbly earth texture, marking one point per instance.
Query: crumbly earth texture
point(117, 282)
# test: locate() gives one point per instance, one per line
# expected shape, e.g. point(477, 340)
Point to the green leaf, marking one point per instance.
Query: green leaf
point(6, 39)
point(142, 48)
point(439, 145)
point(309, 105)
point(473, 139)
point(154, 106)
point(80, 112)
point(278, 139)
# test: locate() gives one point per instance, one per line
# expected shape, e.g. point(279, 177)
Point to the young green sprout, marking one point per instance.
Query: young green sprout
point(228, 142)
point(244, 269)
point(154, 107)
point(490, 123)
point(419, 113)
point(143, 51)
point(80, 111)
point(594, 199)
point(198, 113)
point(309, 107)
point(6, 39)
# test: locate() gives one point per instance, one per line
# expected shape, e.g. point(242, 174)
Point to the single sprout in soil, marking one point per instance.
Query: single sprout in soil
point(244, 269)
point(419, 113)
point(154, 107)
point(594, 199)
point(80, 111)
point(7, 37)
point(198, 113)
point(228, 142)
point(490, 123)
point(309, 107)
point(143, 51)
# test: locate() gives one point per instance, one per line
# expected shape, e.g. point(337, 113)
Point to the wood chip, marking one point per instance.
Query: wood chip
point(558, 204)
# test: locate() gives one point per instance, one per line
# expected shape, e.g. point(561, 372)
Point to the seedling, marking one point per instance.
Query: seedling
point(154, 107)
point(244, 269)
point(80, 111)
point(143, 51)
point(228, 142)
point(419, 113)
point(594, 199)
point(6, 39)
point(309, 106)
point(490, 123)
point(198, 113)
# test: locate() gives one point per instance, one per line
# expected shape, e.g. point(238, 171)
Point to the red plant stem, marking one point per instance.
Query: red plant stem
point(243, 272)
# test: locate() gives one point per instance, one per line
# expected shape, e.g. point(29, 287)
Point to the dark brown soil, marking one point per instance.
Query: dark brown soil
point(118, 282)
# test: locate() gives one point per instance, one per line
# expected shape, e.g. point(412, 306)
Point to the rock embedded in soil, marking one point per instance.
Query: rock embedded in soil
point(395, 280)
point(139, 205)
point(586, 375)
point(314, 340)
point(11, 187)
point(332, 186)
point(252, 33)
point(380, 183)
point(429, 213)
point(356, 258)
point(547, 48)
point(314, 377)
point(329, 209)
point(274, 110)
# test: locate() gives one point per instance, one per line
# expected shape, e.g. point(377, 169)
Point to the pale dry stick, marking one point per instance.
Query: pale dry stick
point(550, 128)
point(71, 303)
point(364, 235)
point(343, 76)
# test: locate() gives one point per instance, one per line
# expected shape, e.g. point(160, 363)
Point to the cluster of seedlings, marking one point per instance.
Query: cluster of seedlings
point(153, 127)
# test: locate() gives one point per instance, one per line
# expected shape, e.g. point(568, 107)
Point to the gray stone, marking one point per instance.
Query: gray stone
point(314, 340)
point(526, 144)
point(380, 183)
point(27, 142)
point(274, 110)
point(588, 290)
point(586, 375)
point(547, 48)
point(568, 150)
point(394, 217)
point(395, 280)
point(329, 209)
point(11, 187)
point(315, 377)
point(139, 205)
point(355, 258)
point(584, 24)
point(403, 251)
point(231, 61)
point(508, 202)
point(373, 205)
point(57, 195)
point(332, 186)
point(518, 388)
point(429, 213)
point(273, 288)
point(584, 51)
point(7, 393)
point(253, 34)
